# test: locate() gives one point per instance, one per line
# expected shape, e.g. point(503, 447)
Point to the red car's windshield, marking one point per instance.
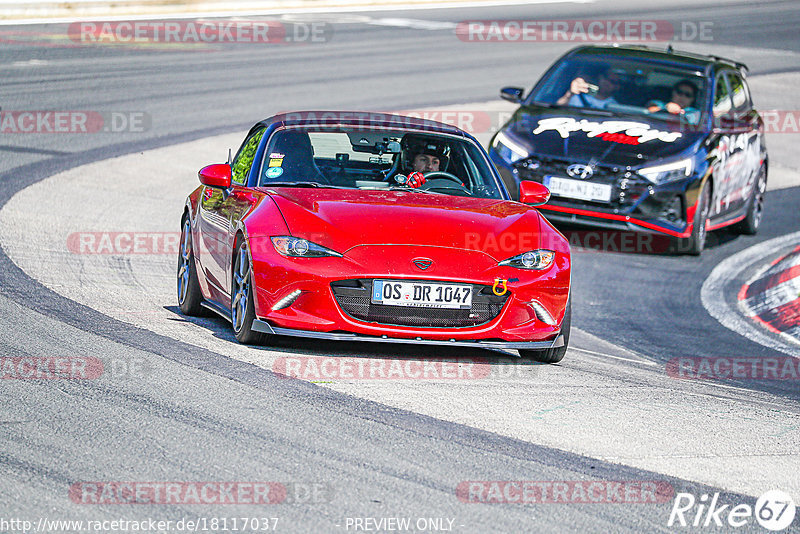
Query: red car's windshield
point(378, 159)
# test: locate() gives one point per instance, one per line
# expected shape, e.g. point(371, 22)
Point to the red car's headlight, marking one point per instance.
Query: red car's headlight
point(294, 247)
point(536, 260)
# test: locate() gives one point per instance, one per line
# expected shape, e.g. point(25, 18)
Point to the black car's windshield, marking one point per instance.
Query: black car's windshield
point(377, 160)
point(625, 85)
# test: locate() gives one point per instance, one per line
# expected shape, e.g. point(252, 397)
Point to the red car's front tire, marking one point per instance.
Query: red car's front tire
point(243, 308)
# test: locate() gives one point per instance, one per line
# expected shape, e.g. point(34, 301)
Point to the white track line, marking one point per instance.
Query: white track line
point(713, 293)
point(643, 362)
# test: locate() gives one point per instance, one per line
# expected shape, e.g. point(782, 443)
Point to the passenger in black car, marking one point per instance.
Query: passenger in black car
point(580, 91)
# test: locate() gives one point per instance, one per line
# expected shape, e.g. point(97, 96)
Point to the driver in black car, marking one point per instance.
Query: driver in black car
point(423, 156)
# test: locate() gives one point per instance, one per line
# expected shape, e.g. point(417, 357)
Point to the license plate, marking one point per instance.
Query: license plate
point(564, 187)
point(421, 294)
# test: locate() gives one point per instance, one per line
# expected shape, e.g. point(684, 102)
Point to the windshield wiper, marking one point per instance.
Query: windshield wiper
point(550, 105)
point(304, 184)
point(413, 189)
point(291, 184)
point(595, 111)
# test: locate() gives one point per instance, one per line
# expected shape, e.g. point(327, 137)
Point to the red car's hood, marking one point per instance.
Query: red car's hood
point(342, 219)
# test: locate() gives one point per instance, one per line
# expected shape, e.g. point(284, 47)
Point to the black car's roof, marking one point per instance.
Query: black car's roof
point(364, 119)
point(663, 55)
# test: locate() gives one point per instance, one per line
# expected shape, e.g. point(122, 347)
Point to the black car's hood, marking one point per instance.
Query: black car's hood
point(581, 136)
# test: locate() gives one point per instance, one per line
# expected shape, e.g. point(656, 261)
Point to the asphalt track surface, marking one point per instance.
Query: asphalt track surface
point(201, 415)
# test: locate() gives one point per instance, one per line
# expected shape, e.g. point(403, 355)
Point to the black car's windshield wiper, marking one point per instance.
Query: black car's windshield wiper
point(550, 105)
point(594, 111)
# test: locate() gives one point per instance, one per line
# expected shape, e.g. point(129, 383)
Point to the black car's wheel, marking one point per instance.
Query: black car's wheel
point(243, 309)
point(695, 244)
point(189, 295)
point(557, 354)
point(751, 222)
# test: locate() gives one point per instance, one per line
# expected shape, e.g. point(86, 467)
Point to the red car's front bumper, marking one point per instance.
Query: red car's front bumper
point(317, 313)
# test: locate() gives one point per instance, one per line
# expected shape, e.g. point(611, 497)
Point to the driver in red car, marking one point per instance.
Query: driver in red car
point(429, 156)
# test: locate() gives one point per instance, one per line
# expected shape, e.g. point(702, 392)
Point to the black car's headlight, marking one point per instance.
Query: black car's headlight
point(294, 247)
point(509, 149)
point(535, 260)
point(668, 172)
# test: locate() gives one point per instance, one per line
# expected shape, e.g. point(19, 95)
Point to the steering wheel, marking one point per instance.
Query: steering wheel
point(442, 174)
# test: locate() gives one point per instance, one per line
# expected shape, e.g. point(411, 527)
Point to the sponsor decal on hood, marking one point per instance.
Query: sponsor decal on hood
point(627, 132)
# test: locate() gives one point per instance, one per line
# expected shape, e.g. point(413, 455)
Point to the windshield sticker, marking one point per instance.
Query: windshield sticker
point(273, 172)
point(628, 132)
point(277, 155)
point(275, 162)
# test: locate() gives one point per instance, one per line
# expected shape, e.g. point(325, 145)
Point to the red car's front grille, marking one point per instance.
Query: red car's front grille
point(354, 298)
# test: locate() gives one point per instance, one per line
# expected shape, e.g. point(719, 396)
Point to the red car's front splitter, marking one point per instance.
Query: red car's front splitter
point(261, 326)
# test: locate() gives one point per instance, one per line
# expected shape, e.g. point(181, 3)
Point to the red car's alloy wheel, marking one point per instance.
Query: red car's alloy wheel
point(241, 288)
point(242, 305)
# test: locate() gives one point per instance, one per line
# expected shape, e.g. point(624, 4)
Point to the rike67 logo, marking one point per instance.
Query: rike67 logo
point(774, 510)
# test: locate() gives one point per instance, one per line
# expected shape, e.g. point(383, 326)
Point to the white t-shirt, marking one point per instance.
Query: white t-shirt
point(591, 100)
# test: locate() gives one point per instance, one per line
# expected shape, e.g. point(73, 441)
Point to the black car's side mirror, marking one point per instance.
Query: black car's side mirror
point(512, 94)
point(727, 124)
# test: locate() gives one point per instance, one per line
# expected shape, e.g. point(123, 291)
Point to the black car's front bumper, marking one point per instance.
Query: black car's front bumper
point(635, 205)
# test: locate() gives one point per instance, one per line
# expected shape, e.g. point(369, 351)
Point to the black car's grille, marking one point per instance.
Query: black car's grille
point(627, 188)
point(354, 298)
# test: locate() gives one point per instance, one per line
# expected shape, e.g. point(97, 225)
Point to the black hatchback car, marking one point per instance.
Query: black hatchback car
point(634, 138)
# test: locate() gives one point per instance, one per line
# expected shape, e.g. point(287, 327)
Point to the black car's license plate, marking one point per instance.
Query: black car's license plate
point(564, 187)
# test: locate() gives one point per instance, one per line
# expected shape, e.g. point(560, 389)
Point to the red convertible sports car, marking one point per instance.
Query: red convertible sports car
point(366, 227)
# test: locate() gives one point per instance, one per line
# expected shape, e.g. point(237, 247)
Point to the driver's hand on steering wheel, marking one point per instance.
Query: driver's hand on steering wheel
point(415, 179)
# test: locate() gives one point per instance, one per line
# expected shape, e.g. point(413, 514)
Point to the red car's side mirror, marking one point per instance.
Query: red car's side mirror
point(533, 193)
point(218, 175)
